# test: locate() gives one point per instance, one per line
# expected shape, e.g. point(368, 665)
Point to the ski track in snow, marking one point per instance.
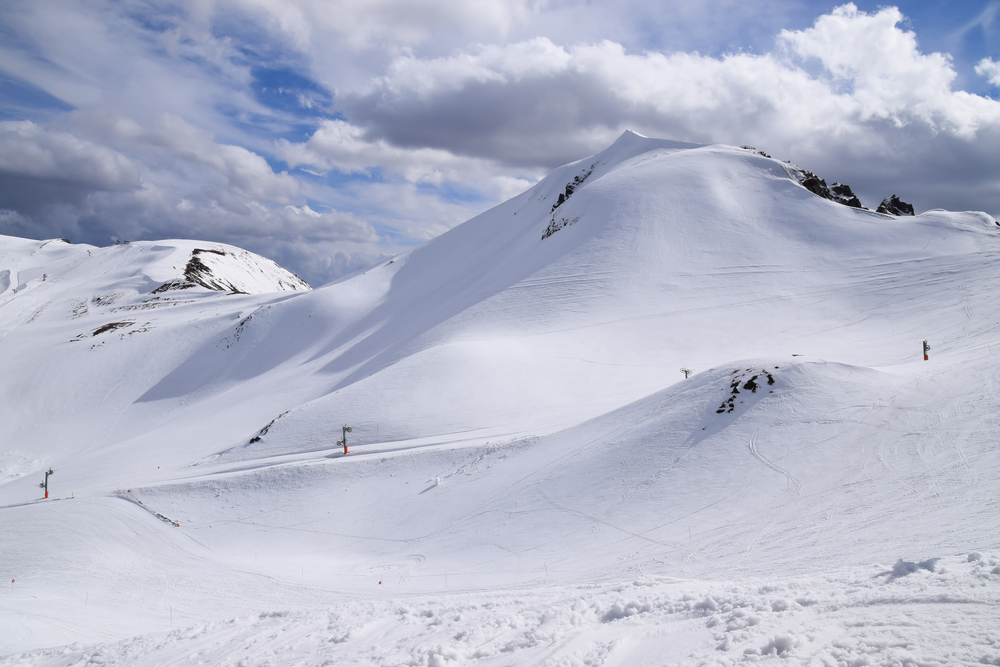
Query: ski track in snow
point(752, 445)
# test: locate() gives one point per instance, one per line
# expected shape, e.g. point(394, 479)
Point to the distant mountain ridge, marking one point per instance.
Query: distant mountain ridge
point(175, 264)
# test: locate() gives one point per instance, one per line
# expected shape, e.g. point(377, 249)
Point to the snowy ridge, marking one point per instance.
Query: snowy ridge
point(531, 478)
point(162, 265)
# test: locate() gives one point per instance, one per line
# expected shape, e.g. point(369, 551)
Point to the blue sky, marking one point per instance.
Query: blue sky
point(329, 134)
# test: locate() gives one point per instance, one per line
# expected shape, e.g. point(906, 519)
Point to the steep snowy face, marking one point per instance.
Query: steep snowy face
point(613, 272)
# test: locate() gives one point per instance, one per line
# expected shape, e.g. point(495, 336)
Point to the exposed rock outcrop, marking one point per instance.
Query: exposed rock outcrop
point(842, 194)
point(838, 192)
point(894, 206)
point(198, 272)
point(555, 225)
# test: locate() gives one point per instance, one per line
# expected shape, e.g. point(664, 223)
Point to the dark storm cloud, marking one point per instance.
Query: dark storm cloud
point(535, 122)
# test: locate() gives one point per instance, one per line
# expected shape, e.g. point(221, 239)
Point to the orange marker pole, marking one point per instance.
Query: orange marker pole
point(45, 484)
point(347, 429)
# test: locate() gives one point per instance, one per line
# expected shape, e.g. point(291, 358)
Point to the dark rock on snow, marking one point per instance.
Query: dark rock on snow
point(842, 194)
point(838, 192)
point(894, 206)
point(198, 272)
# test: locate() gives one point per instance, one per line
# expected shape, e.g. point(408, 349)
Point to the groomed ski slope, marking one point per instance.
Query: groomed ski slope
point(531, 479)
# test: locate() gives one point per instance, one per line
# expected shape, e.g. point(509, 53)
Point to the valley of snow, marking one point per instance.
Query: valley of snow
point(531, 479)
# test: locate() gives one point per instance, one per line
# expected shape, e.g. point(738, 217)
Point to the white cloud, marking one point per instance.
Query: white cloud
point(878, 108)
point(168, 140)
point(29, 151)
point(103, 54)
point(395, 23)
point(304, 223)
point(989, 69)
point(167, 179)
point(509, 63)
point(875, 73)
point(887, 75)
point(338, 145)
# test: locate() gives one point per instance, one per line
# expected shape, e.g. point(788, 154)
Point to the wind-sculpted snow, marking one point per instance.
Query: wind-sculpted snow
point(531, 478)
point(852, 617)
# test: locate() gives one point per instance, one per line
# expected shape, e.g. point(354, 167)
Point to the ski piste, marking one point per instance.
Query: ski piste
point(532, 474)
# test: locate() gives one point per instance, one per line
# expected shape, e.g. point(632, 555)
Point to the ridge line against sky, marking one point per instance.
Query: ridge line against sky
point(328, 135)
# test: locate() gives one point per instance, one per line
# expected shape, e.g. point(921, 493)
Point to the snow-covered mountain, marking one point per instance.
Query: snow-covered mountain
point(531, 476)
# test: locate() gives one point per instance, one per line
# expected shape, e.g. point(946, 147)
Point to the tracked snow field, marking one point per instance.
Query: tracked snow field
point(530, 479)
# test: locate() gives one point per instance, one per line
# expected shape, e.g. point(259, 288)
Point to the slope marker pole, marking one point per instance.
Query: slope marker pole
point(347, 429)
point(45, 484)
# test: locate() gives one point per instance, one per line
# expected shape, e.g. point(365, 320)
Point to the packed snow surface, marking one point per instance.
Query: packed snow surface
point(531, 479)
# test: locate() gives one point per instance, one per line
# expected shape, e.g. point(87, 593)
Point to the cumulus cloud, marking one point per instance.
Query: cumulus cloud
point(122, 155)
point(170, 140)
point(28, 151)
point(989, 69)
point(304, 223)
point(474, 103)
point(165, 179)
point(889, 78)
point(395, 23)
point(341, 146)
point(42, 170)
point(875, 97)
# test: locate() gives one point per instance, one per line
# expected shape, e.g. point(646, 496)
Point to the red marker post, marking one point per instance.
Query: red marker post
point(45, 484)
point(347, 429)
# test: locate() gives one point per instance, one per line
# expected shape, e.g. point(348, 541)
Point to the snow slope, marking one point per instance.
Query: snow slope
point(531, 478)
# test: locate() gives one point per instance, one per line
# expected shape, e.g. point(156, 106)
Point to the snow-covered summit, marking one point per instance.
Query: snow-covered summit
point(142, 266)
